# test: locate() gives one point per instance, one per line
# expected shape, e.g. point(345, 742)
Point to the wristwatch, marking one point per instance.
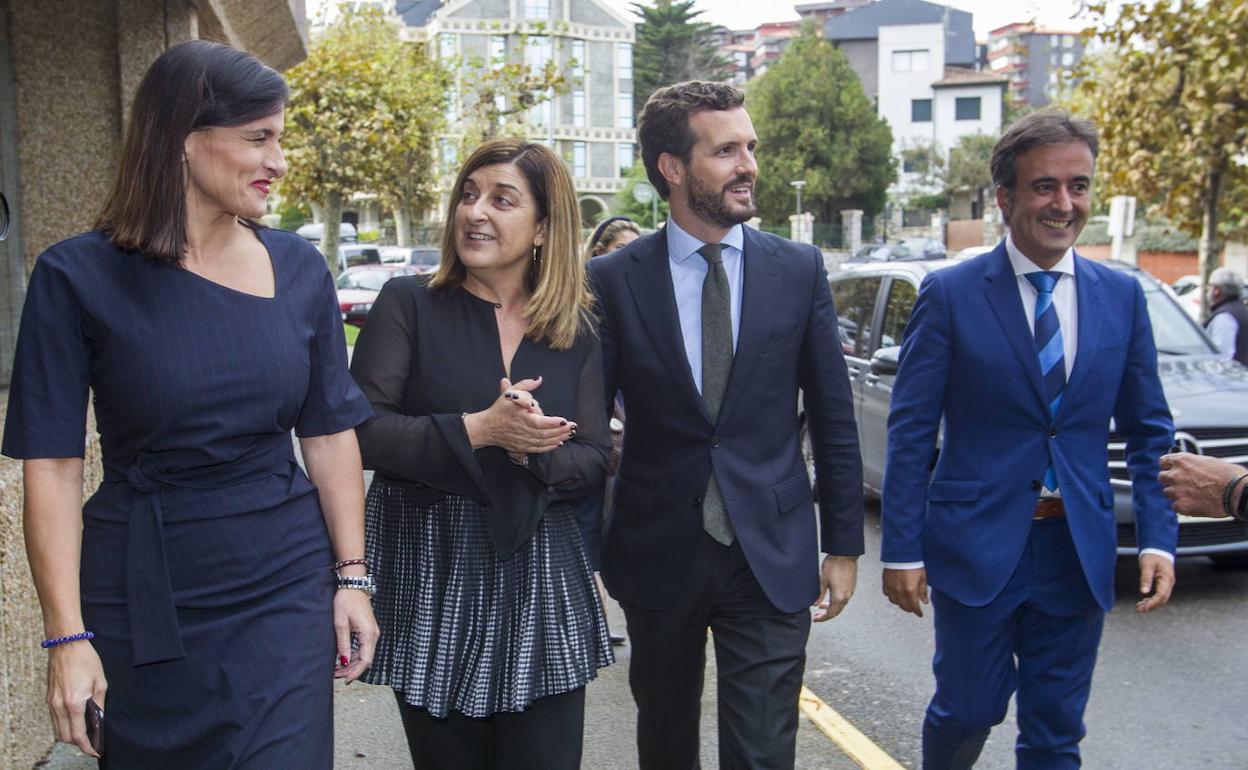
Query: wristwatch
point(365, 583)
point(1241, 510)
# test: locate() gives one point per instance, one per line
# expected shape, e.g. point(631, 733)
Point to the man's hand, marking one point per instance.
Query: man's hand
point(837, 578)
point(1195, 483)
point(1157, 577)
point(907, 588)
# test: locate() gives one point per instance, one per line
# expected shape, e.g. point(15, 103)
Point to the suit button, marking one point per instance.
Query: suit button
point(1035, 486)
point(714, 441)
point(1053, 434)
point(697, 502)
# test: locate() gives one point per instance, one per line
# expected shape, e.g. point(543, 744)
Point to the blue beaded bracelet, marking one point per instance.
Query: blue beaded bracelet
point(48, 644)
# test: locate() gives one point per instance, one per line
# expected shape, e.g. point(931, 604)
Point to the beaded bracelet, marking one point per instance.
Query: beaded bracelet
point(48, 644)
point(1228, 492)
point(349, 563)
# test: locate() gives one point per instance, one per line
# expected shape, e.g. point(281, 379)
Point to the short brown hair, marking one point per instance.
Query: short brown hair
point(1048, 126)
point(560, 302)
point(193, 86)
point(664, 124)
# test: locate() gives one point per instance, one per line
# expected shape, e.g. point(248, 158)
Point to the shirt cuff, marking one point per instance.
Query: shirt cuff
point(903, 565)
point(1169, 556)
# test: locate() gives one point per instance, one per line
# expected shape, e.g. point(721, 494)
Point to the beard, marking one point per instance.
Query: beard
point(711, 205)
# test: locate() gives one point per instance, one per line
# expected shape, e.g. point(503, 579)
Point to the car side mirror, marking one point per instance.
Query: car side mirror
point(885, 360)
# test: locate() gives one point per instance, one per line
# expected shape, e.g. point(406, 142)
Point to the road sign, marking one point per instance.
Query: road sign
point(643, 193)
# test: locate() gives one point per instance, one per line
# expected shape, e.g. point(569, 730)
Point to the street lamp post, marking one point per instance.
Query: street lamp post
point(798, 185)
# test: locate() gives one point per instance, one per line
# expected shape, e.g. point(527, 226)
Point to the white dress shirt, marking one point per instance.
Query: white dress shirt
point(1066, 303)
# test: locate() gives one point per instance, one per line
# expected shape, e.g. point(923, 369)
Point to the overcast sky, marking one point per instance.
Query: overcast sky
point(988, 14)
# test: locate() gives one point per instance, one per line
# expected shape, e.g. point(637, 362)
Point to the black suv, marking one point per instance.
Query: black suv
point(1208, 395)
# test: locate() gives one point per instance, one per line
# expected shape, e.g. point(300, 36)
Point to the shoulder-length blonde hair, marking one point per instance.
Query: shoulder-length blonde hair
point(559, 299)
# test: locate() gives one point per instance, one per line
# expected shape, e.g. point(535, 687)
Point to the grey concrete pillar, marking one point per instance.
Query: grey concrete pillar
point(851, 230)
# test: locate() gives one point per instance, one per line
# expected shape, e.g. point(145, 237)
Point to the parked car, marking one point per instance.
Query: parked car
point(1208, 396)
point(973, 251)
point(424, 258)
point(358, 288)
point(313, 231)
point(355, 254)
point(906, 248)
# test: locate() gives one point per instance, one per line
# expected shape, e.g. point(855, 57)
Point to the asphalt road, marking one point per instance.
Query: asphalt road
point(1170, 689)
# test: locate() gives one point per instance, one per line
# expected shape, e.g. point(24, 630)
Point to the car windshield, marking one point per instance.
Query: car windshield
point(1175, 333)
point(369, 280)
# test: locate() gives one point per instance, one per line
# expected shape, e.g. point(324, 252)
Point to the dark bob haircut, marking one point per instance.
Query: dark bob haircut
point(1049, 126)
point(192, 86)
point(664, 124)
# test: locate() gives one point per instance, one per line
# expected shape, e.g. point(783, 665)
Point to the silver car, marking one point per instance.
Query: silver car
point(1208, 396)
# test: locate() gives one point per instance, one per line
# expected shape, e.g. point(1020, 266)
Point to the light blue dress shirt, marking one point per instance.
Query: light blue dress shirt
point(689, 273)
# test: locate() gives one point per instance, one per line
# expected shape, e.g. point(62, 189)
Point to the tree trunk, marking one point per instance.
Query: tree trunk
point(402, 225)
point(1207, 253)
point(329, 231)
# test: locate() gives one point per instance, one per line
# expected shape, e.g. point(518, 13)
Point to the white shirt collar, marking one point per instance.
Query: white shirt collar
point(681, 245)
point(1022, 265)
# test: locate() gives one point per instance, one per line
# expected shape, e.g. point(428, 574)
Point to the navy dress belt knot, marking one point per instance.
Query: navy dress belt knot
point(154, 632)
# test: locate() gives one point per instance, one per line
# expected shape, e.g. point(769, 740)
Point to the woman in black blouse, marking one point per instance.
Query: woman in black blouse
point(486, 381)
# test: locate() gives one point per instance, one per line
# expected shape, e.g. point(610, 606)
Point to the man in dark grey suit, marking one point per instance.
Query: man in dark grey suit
point(710, 330)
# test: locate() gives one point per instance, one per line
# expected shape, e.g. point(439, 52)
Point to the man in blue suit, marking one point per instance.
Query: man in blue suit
point(1026, 353)
point(709, 331)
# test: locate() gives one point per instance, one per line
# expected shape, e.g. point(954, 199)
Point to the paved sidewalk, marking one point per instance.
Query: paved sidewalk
point(368, 735)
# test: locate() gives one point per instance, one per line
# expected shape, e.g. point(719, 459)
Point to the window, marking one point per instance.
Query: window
point(452, 107)
point(624, 61)
point(446, 46)
point(1068, 41)
point(910, 164)
point(580, 162)
point(539, 114)
point(578, 108)
point(910, 61)
point(1068, 58)
point(966, 108)
point(537, 9)
point(901, 297)
point(538, 52)
point(450, 155)
point(624, 157)
point(921, 110)
point(578, 59)
point(855, 312)
point(624, 111)
point(498, 50)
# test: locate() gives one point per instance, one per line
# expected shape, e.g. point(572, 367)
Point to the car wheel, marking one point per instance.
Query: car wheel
point(808, 457)
point(1229, 560)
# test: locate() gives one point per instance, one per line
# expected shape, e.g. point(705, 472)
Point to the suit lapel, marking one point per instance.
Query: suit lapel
point(1090, 310)
point(1002, 290)
point(650, 281)
point(760, 291)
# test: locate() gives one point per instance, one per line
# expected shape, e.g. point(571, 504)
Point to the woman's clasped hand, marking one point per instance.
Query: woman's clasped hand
point(515, 422)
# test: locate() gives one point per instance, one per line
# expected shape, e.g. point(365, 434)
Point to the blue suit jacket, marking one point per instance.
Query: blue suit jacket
point(970, 358)
point(787, 341)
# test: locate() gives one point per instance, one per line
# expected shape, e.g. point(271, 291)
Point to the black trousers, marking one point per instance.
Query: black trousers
point(546, 736)
point(760, 653)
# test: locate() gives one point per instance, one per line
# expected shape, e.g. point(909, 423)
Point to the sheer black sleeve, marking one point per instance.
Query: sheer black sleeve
point(579, 467)
point(432, 449)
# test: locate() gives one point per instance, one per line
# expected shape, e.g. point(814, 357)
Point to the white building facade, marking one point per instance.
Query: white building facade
point(592, 125)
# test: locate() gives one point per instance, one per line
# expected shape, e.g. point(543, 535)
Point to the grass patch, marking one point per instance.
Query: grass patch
point(352, 332)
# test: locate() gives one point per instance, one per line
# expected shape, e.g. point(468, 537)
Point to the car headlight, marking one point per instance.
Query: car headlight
point(362, 307)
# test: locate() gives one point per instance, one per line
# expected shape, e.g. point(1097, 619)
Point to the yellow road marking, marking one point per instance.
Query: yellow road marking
point(856, 746)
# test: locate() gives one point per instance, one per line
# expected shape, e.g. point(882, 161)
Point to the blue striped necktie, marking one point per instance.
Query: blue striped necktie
point(1051, 352)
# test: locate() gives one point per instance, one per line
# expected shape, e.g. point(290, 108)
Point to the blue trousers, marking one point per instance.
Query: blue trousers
point(1037, 638)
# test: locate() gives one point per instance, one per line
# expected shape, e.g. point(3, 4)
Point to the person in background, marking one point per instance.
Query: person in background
point(611, 234)
point(486, 378)
point(1228, 315)
point(196, 586)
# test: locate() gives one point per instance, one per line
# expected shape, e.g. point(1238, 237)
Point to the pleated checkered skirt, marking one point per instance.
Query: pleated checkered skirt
point(464, 631)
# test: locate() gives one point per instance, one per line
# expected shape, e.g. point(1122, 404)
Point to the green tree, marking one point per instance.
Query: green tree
point(968, 169)
point(641, 213)
point(1173, 113)
point(500, 94)
point(814, 122)
point(350, 120)
point(416, 98)
point(672, 46)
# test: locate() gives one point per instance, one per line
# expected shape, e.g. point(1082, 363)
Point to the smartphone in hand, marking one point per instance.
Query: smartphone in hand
point(95, 726)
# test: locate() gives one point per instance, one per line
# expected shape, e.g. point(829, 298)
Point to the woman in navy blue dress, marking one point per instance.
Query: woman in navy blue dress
point(207, 555)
